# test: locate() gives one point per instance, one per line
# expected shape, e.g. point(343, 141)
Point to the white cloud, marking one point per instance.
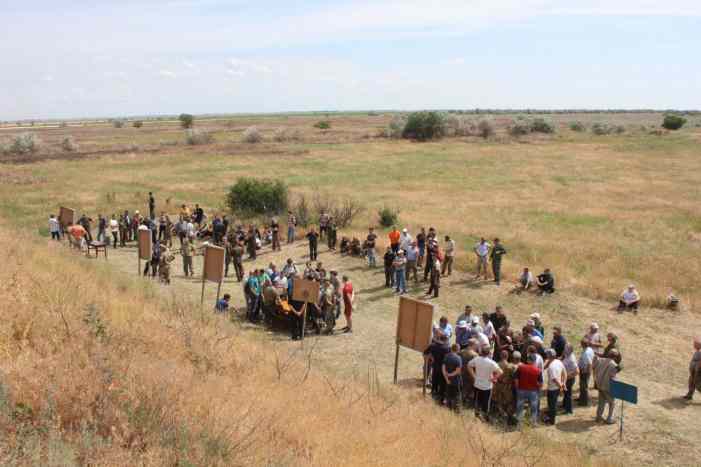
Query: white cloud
point(456, 61)
point(167, 74)
point(237, 73)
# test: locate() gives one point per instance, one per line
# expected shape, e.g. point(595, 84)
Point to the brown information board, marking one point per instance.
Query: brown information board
point(66, 216)
point(145, 246)
point(213, 263)
point(304, 290)
point(414, 324)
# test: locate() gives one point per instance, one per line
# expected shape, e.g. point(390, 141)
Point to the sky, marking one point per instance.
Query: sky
point(103, 58)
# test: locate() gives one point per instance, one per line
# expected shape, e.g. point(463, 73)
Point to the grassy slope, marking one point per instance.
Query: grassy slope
point(96, 370)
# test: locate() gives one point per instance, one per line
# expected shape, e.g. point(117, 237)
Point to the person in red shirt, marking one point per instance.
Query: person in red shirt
point(77, 232)
point(528, 379)
point(348, 298)
point(394, 237)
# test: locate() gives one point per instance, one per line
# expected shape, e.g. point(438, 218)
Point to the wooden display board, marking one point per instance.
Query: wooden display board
point(145, 246)
point(66, 216)
point(304, 290)
point(213, 270)
point(414, 327)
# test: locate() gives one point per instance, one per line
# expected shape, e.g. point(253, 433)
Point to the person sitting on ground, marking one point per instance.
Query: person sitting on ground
point(694, 370)
point(545, 282)
point(355, 249)
point(525, 282)
point(673, 301)
point(630, 299)
point(345, 246)
point(222, 306)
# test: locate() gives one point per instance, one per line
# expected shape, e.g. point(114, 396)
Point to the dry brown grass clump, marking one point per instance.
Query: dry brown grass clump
point(94, 370)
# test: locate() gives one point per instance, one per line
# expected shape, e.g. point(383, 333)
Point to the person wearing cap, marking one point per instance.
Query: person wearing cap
point(498, 251)
point(528, 379)
point(484, 371)
point(594, 337)
point(462, 335)
point(435, 354)
point(449, 249)
point(558, 342)
point(399, 266)
point(630, 299)
point(405, 240)
point(452, 373)
point(584, 364)
point(557, 379)
point(605, 370)
point(482, 249)
point(412, 257)
point(389, 271)
point(538, 324)
point(545, 282)
point(394, 237)
point(694, 370)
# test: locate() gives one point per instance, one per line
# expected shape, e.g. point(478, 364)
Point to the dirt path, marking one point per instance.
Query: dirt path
point(656, 346)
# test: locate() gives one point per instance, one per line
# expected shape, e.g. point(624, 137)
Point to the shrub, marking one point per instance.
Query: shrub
point(456, 125)
point(138, 124)
point(302, 210)
point(251, 196)
point(485, 129)
point(118, 123)
point(342, 213)
point(540, 125)
point(282, 135)
point(577, 126)
point(619, 129)
point(601, 129)
point(388, 216)
point(69, 145)
point(424, 126)
point(673, 122)
point(252, 135)
point(186, 120)
point(323, 124)
point(25, 143)
point(197, 137)
point(519, 128)
point(395, 129)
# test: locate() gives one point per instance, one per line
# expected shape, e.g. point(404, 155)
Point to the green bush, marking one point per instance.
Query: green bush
point(251, 196)
point(388, 216)
point(197, 137)
point(138, 124)
point(186, 120)
point(252, 135)
point(673, 122)
point(540, 125)
point(519, 128)
point(619, 129)
point(25, 143)
point(68, 144)
point(577, 126)
point(485, 129)
point(395, 129)
point(424, 126)
point(323, 124)
point(601, 129)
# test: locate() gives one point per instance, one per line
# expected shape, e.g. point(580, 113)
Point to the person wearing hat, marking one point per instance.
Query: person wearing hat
point(630, 299)
point(462, 335)
point(399, 266)
point(394, 237)
point(537, 323)
point(557, 379)
point(594, 337)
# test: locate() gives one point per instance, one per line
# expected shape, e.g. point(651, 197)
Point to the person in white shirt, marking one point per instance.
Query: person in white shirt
point(484, 371)
point(482, 251)
point(557, 378)
point(449, 249)
point(488, 327)
point(630, 300)
point(585, 361)
point(525, 281)
point(54, 228)
point(594, 337)
point(114, 230)
point(444, 326)
point(405, 240)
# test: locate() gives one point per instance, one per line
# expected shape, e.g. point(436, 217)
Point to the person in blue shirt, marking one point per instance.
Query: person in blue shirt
point(222, 305)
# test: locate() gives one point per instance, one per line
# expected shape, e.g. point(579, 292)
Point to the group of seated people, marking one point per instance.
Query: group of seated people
point(499, 370)
point(544, 283)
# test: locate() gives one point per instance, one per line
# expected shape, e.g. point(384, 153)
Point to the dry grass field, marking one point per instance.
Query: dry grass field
point(600, 211)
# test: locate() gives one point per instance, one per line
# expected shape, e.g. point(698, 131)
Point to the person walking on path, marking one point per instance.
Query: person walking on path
point(496, 254)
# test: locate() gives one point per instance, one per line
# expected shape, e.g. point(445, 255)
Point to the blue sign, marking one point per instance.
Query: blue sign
point(624, 392)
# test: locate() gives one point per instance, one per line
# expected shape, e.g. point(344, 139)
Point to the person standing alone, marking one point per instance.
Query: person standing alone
point(496, 254)
point(151, 206)
point(313, 238)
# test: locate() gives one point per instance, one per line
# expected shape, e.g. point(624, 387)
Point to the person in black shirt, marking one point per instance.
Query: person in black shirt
point(313, 238)
point(370, 247)
point(452, 372)
point(199, 214)
point(275, 228)
point(389, 270)
point(331, 232)
point(435, 355)
point(151, 206)
point(495, 255)
point(559, 342)
point(498, 318)
point(546, 282)
point(421, 244)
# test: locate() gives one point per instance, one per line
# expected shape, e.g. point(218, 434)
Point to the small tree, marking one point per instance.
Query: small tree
point(252, 135)
point(673, 122)
point(388, 216)
point(25, 143)
point(251, 196)
point(186, 120)
point(396, 126)
point(68, 144)
point(540, 125)
point(519, 128)
point(485, 129)
point(601, 129)
point(577, 126)
point(323, 124)
point(197, 137)
point(424, 126)
point(138, 124)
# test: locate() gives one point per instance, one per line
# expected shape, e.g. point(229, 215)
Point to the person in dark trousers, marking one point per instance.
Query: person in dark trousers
point(586, 359)
point(545, 282)
point(251, 243)
point(313, 237)
point(430, 259)
point(222, 306)
point(389, 268)
point(435, 278)
point(452, 373)
point(153, 263)
point(275, 228)
point(101, 228)
point(151, 206)
point(421, 244)
point(435, 354)
point(495, 256)
point(331, 231)
point(84, 222)
point(556, 383)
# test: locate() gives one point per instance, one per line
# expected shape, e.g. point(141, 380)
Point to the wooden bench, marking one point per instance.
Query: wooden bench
point(97, 246)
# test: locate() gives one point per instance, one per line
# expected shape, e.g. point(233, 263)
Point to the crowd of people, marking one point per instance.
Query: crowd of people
point(499, 370)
